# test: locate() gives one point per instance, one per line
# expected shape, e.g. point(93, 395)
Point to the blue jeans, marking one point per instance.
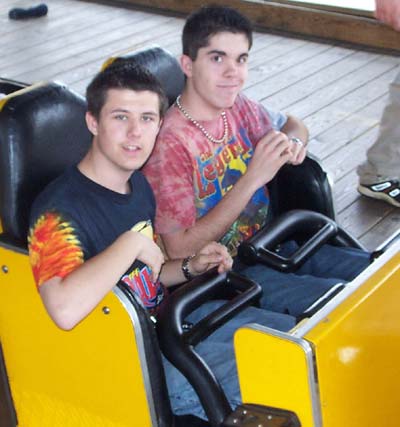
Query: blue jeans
point(293, 293)
point(282, 292)
point(217, 351)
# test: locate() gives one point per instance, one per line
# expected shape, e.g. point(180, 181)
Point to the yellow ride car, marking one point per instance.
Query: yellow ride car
point(338, 367)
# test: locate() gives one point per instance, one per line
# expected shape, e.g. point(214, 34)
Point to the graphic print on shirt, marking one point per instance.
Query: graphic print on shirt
point(139, 279)
point(216, 173)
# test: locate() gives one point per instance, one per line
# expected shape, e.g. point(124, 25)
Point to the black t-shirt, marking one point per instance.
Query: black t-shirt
point(74, 219)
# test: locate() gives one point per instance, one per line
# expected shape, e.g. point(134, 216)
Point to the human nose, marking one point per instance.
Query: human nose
point(231, 68)
point(134, 127)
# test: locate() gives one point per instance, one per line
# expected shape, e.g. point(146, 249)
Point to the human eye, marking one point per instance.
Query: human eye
point(243, 59)
point(148, 118)
point(216, 58)
point(121, 117)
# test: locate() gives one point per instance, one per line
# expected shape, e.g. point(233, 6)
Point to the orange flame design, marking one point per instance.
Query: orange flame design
point(54, 249)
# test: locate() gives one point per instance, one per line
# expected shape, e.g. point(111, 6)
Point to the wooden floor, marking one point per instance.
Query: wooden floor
point(339, 92)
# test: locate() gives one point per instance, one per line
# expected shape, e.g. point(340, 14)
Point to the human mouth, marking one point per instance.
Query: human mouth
point(229, 89)
point(131, 148)
point(229, 85)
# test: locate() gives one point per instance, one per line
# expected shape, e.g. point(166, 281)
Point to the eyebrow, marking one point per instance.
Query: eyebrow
point(223, 53)
point(123, 110)
point(151, 113)
point(119, 110)
point(216, 52)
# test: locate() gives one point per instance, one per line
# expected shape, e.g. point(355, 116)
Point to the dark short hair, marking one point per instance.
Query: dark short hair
point(208, 21)
point(122, 75)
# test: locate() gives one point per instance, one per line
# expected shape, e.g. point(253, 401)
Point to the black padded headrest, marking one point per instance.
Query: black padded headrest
point(42, 131)
point(161, 64)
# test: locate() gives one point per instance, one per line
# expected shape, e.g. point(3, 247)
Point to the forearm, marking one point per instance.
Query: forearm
point(295, 128)
point(171, 273)
point(213, 225)
point(72, 298)
point(210, 256)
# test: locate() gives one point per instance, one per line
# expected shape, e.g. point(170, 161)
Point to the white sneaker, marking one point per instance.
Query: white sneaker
point(389, 191)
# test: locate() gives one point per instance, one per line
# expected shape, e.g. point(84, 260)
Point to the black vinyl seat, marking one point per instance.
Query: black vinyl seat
point(42, 131)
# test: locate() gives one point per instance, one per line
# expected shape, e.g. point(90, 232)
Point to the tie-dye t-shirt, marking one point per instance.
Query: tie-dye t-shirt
point(190, 174)
point(74, 219)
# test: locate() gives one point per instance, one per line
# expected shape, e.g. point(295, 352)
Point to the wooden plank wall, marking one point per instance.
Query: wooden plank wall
point(296, 18)
point(338, 91)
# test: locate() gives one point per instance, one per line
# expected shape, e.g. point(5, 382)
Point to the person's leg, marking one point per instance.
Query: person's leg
point(287, 292)
point(332, 262)
point(278, 321)
point(293, 293)
point(383, 158)
point(217, 351)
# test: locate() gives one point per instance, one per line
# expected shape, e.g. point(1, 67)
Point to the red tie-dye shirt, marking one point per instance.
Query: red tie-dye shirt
point(190, 174)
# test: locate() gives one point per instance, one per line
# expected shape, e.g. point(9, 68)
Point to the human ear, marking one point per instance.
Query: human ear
point(91, 123)
point(186, 65)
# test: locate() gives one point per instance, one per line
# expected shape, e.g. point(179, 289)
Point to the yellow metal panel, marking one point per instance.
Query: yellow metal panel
point(90, 376)
point(274, 371)
point(357, 349)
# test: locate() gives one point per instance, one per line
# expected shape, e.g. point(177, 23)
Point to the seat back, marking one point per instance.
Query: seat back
point(304, 186)
point(42, 131)
point(160, 63)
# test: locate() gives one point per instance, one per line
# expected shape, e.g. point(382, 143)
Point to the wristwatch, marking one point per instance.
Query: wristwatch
point(185, 267)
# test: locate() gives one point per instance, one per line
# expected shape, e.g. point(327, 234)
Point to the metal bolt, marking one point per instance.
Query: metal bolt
point(106, 310)
point(4, 269)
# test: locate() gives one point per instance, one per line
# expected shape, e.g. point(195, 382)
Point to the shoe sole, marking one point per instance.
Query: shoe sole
point(378, 195)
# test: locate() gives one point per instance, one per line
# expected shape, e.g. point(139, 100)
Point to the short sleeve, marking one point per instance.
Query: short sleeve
point(258, 119)
point(277, 118)
point(54, 248)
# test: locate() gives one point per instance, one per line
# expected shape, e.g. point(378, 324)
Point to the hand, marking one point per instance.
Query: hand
point(212, 255)
point(149, 253)
point(388, 11)
point(299, 151)
point(270, 154)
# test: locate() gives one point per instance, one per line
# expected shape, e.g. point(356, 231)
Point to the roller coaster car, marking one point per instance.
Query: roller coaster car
point(337, 367)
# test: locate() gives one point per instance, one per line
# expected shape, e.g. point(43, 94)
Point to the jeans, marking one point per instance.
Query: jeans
point(282, 292)
point(217, 351)
point(293, 293)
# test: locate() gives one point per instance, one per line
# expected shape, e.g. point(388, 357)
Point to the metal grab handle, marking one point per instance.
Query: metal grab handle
point(318, 228)
point(177, 343)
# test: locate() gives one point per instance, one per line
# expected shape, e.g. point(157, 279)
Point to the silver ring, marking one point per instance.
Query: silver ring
point(297, 141)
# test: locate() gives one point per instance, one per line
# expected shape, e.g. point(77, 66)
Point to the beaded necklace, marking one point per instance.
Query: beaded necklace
point(202, 128)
